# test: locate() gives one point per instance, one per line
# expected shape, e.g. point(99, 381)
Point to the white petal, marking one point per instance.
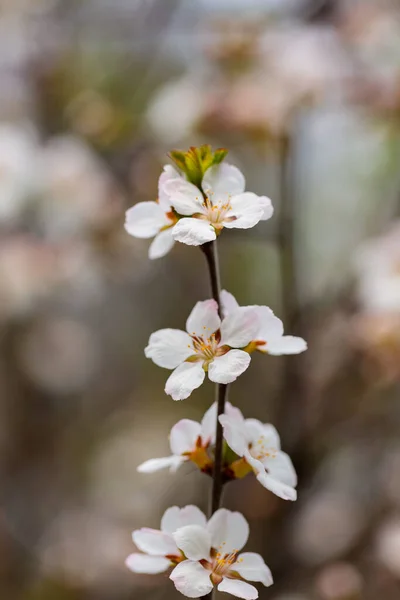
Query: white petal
point(186, 378)
point(240, 589)
point(194, 541)
point(271, 327)
point(175, 517)
point(247, 210)
point(204, 319)
point(240, 327)
point(229, 530)
point(193, 232)
point(282, 490)
point(185, 197)
point(251, 566)
point(184, 435)
point(281, 468)
point(161, 244)
point(144, 220)
point(256, 430)
point(287, 344)
point(234, 413)
point(141, 563)
point(154, 542)
point(163, 198)
point(227, 368)
point(234, 434)
point(191, 579)
point(168, 348)
point(156, 464)
point(208, 425)
point(228, 302)
point(224, 178)
point(267, 207)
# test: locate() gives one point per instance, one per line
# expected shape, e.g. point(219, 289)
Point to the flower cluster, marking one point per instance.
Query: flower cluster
point(195, 202)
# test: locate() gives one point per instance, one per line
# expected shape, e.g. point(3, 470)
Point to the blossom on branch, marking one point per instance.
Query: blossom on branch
point(213, 559)
point(269, 338)
point(208, 345)
point(259, 447)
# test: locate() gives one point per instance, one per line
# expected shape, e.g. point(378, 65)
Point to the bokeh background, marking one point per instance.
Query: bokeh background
point(93, 94)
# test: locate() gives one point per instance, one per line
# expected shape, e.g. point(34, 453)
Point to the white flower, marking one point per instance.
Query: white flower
point(269, 338)
point(158, 546)
point(259, 445)
point(207, 345)
point(212, 552)
point(154, 219)
point(224, 204)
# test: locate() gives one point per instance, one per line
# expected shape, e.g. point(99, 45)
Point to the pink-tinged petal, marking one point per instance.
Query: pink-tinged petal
point(229, 530)
point(234, 413)
point(161, 244)
point(193, 232)
point(267, 207)
point(184, 435)
point(144, 220)
point(223, 179)
point(287, 344)
point(234, 433)
point(227, 368)
point(208, 425)
point(240, 589)
point(204, 319)
point(194, 541)
point(191, 579)
point(228, 302)
point(169, 348)
point(163, 198)
point(251, 566)
point(280, 467)
point(185, 197)
point(175, 517)
point(240, 327)
point(156, 464)
point(141, 563)
point(271, 328)
point(154, 542)
point(186, 378)
point(256, 430)
point(247, 210)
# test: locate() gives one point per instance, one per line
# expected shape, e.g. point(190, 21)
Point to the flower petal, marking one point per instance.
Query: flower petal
point(281, 468)
point(156, 464)
point(240, 589)
point(141, 563)
point(229, 530)
point(186, 378)
point(287, 344)
point(168, 348)
point(208, 425)
point(240, 327)
point(185, 197)
point(204, 319)
point(184, 435)
point(223, 178)
point(256, 430)
point(227, 368)
point(154, 542)
point(163, 198)
point(191, 579)
point(194, 541)
point(161, 244)
point(175, 517)
point(193, 232)
point(251, 566)
point(234, 433)
point(279, 488)
point(271, 327)
point(267, 207)
point(247, 210)
point(144, 220)
point(228, 302)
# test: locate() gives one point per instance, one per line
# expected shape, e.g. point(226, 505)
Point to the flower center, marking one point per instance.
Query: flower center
point(220, 565)
point(205, 347)
point(216, 213)
point(261, 449)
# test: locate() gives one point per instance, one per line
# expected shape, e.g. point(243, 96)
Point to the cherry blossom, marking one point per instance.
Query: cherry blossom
point(207, 345)
point(159, 550)
point(259, 446)
point(222, 202)
point(269, 338)
point(213, 559)
point(155, 219)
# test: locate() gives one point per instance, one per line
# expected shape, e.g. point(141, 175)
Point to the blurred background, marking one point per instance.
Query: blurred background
point(93, 94)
